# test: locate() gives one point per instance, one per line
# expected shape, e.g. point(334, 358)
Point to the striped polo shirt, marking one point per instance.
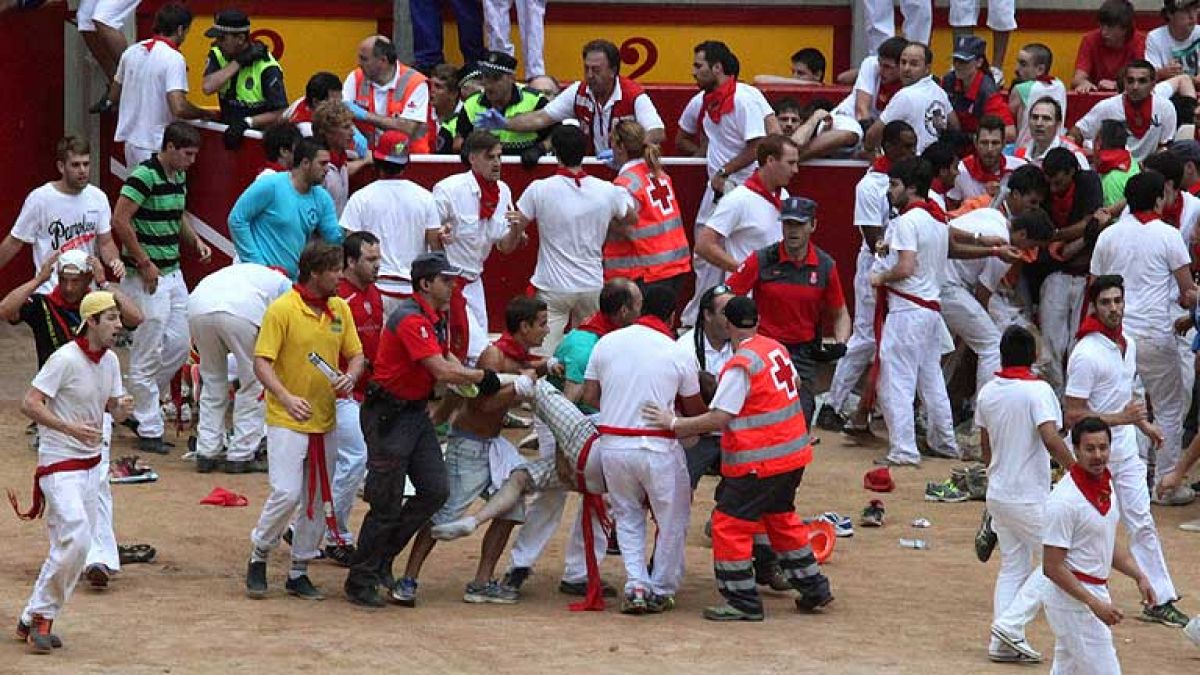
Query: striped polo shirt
point(160, 201)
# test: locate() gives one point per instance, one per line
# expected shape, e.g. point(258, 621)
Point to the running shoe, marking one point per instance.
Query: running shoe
point(635, 602)
point(730, 613)
point(842, 525)
point(1166, 614)
point(985, 538)
point(830, 419)
point(404, 593)
point(872, 516)
point(130, 470)
point(492, 592)
point(944, 492)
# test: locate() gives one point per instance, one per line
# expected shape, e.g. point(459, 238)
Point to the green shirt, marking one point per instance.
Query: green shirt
point(573, 352)
point(1114, 181)
point(159, 217)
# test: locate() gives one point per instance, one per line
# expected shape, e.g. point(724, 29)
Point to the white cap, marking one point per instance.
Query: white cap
point(73, 260)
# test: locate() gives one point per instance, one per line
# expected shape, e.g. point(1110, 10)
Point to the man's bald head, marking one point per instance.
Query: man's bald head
point(376, 57)
point(621, 301)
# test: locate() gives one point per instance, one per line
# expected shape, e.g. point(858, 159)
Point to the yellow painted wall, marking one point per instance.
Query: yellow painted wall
point(1063, 44)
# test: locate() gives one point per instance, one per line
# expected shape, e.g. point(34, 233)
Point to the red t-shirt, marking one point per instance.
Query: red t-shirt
point(791, 299)
point(408, 337)
point(366, 306)
point(1102, 63)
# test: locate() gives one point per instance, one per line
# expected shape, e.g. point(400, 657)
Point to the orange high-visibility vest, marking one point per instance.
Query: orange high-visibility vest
point(407, 82)
point(658, 247)
point(769, 436)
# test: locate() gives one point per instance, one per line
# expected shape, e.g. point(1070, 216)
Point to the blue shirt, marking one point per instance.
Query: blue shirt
point(573, 352)
point(271, 222)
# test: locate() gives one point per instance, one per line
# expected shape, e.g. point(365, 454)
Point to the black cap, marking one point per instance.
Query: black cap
point(968, 47)
point(802, 209)
point(741, 312)
point(468, 72)
point(1172, 6)
point(431, 264)
point(498, 63)
point(228, 21)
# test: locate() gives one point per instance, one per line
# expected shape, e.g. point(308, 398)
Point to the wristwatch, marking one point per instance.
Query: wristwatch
point(722, 173)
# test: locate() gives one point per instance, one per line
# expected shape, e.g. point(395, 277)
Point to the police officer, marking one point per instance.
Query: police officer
point(798, 288)
point(401, 442)
point(502, 98)
point(245, 76)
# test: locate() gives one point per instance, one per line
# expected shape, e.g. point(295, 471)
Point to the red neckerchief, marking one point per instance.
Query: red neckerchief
point(277, 167)
point(971, 92)
point(510, 347)
point(93, 356)
point(754, 184)
point(598, 324)
point(1017, 373)
point(55, 297)
point(302, 113)
point(929, 207)
point(1091, 324)
point(149, 44)
point(718, 102)
point(654, 323)
point(576, 176)
point(1061, 205)
point(1097, 491)
point(981, 173)
point(1146, 217)
point(1045, 78)
point(313, 301)
point(489, 195)
point(1173, 214)
point(939, 187)
point(1112, 160)
point(1195, 189)
point(1138, 115)
point(337, 157)
point(886, 92)
point(882, 164)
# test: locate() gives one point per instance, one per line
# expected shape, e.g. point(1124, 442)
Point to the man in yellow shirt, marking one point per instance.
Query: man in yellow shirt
point(306, 322)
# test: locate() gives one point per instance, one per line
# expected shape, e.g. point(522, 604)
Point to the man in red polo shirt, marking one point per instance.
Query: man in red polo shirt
point(1103, 52)
point(401, 442)
point(796, 284)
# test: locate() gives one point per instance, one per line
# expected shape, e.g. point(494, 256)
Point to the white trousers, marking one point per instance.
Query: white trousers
point(1129, 486)
point(477, 319)
point(1020, 583)
point(71, 516)
point(350, 468)
point(970, 321)
point(1083, 645)
point(1062, 298)
point(881, 21)
point(707, 275)
point(135, 155)
point(1002, 14)
point(566, 308)
point(160, 346)
point(103, 550)
point(860, 349)
point(531, 18)
point(288, 478)
point(1169, 388)
point(217, 336)
point(910, 365)
point(635, 476)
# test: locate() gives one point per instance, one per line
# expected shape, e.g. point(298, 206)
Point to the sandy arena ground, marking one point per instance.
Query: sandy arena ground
point(897, 610)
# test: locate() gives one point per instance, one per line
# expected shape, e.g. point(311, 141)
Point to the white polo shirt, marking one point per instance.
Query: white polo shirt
point(1072, 523)
point(244, 290)
point(965, 186)
point(728, 137)
point(1162, 49)
point(1099, 374)
point(871, 206)
point(398, 212)
point(924, 105)
point(989, 272)
point(146, 76)
point(1146, 255)
point(747, 221)
point(471, 239)
point(1162, 125)
point(563, 108)
point(78, 391)
point(1038, 90)
point(867, 81)
point(714, 358)
point(52, 220)
point(637, 365)
point(1026, 152)
point(917, 231)
point(1011, 410)
point(416, 109)
point(572, 224)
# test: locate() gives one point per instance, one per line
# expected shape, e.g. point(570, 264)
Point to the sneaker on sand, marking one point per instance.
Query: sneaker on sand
point(872, 516)
point(830, 419)
point(944, 492)
point(155, 445)
point(256, 580)
point(492, 592)
point(1016, 643)
point(302, 587)
point(1166, 614)
point(660, 603)
point(23, 631)
point(579, 588)
point(985, 538)
point(1180, 496)
point(340, 555)
point(370, 598)
point(404, 593)
point(129, 470)
point(515, 577)
point(634, 602)
point(730, 613)
point(1190, 526)
point(97, 575)
point(842, 525)
point(39, 638)
point(1007, 654)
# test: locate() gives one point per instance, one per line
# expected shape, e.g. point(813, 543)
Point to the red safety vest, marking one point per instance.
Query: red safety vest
point(658, 247)
point(407, 81)
point(585, 107)
point(768, 437)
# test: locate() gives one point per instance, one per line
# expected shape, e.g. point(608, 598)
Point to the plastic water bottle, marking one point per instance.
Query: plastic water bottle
point(917, 544)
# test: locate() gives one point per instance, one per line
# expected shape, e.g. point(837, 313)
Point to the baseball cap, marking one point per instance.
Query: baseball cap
point(498, 63)
point(228, 21)
point(741, 312)
point(968, 47)
point(431, 264)
point(802, 209)
point(1187, 151)
point(92, 304)
point(73, 260)
point(879, 480)
point(392, 147)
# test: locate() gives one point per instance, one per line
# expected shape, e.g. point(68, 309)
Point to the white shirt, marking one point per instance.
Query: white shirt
point(728, 137)
point(337, 184)
point(1162, 49)
point(965, 186)
point(1099, 374)
point(714, 358)
point(471, 239)
point(1030, 155)
point(415, 109)
point(78, 391)
point(563, 108)
point(304, 127)
point(637, 365)
point(989, 272)
point(924, 105)
point(244, 290)
point(1071, 522)
point(398, 212)
point(871, 206)
point(747, 221)
point(917, 231)
point(1162, 125)
point(867, 82)
point(1146, 255)
point(1037, 91)
point(145, 78)
point(572, 226)
point(1011, 411)
point(52, 220)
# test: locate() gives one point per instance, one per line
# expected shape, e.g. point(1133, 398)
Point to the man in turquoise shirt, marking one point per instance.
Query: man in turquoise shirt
point(273, 219)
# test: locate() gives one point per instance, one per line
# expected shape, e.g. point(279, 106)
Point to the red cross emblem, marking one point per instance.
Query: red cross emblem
point(660, 193)
point(782, 373)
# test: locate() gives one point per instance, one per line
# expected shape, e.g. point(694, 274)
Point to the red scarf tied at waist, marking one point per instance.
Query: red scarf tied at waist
point(655, 323)
point(599, 324)
point(39, 497)
point(1138, 116)
point(1017, 373)
point(755, 184)
point(318, 474)
point(593, 509)
point(489, 195)
point(1096, 490)
point(313, 300)
point(1091, 324)
point(1113, 160)
point(510, 347)
point(718, 102)
point(881, 299)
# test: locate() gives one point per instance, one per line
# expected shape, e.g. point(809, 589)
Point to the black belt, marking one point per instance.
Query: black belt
point(376, 393)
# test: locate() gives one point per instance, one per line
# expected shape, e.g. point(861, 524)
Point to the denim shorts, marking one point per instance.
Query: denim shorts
point(469, 477)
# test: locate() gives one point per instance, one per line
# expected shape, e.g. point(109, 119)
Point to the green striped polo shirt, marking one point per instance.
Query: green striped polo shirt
point(159, 216)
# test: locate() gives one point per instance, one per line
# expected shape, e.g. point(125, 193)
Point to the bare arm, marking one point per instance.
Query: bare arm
point(591, 393)
point(1055, 445)
point(109, 254)
point(1076, 135)
point(433, 239)
point(530, 121)
point(183, 109)
point(9, 248)
point(656, 136)
point(451, 371)
point(871, 235)
point(10, 306)
point(710, 245)
point(689, 145)
point(1080, 82)
point(905, 267)
point(131, 314)
point(707, 423)
point(516, 228)
point(1075, 409)
point(573, 391)
point(873, 137)
point(413, 128)
point(1187, 286)
point(35, 407)
point(122, 229)
point(213, 81)
point(985, 447)
point(1125, 563)
point(862, 105)
point(843, 326)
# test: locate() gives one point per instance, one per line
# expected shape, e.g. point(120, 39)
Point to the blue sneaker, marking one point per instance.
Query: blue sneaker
point(842, 525)
point(404, 593)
